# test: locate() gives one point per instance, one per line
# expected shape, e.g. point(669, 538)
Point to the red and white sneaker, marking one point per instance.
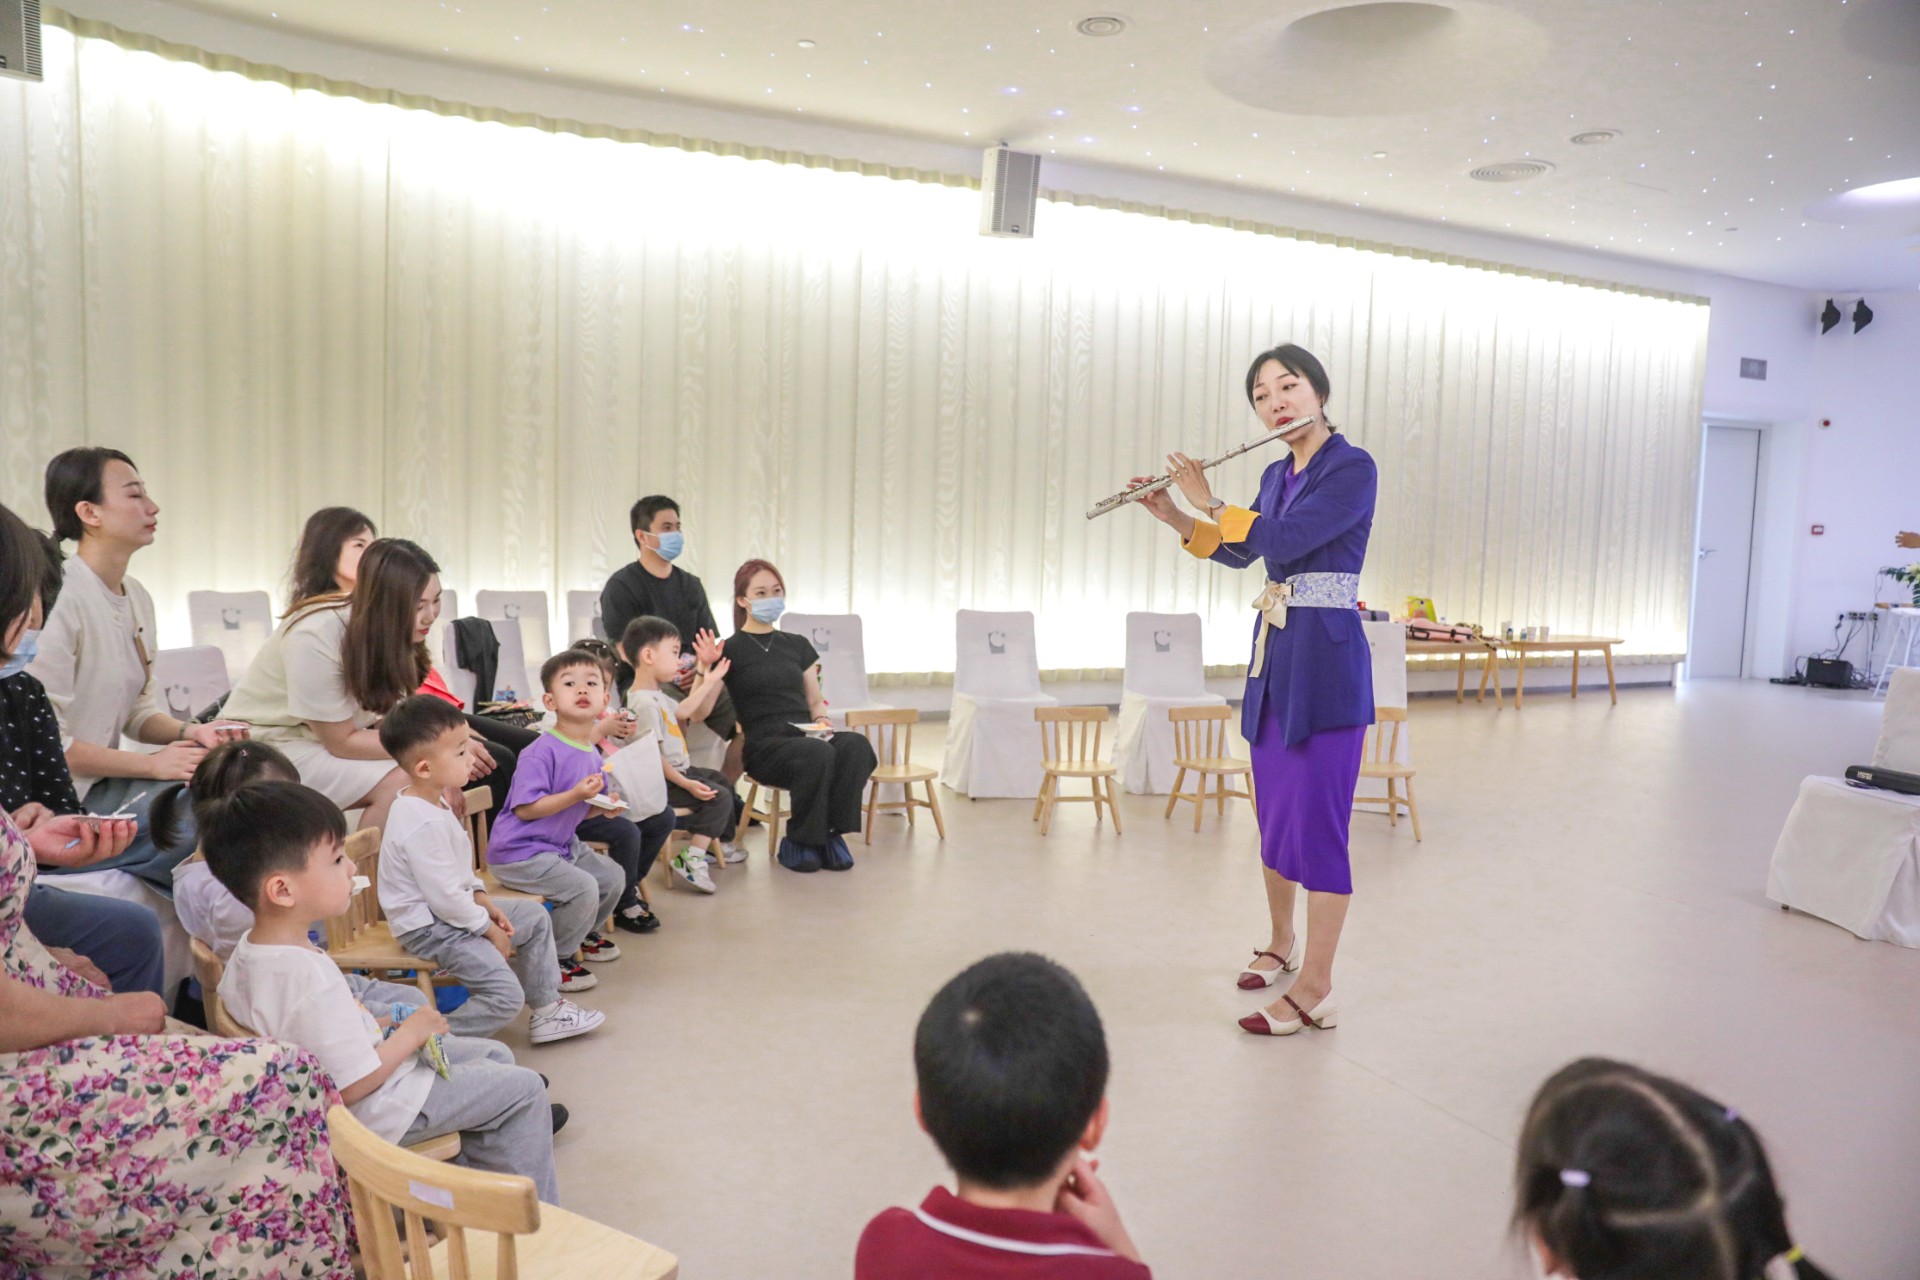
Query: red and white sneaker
point(598, 950)
point(574, 977)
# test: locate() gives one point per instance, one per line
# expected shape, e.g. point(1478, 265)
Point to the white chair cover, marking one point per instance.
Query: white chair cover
point(1899, 745)
point(583, 617)
point(187, 681)
point(1852, 856)
point(1165, 669)
point(512, 659)
point(840, 640)
point(236, 623)
point(993, 744)
point(1388, 642)
point(529, 609)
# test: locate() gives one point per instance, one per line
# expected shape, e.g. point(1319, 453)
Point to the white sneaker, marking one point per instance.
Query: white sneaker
point(732, 854)
point(567, 1020)
point(691, 868)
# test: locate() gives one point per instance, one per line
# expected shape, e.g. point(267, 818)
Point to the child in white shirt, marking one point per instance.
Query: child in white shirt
point(280, 847)
point(651, 646)
point(502, 952)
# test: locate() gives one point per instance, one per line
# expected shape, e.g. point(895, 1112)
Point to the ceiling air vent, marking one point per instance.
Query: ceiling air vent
point(1594, 137)
point(1510, 171)
point(1104, 24)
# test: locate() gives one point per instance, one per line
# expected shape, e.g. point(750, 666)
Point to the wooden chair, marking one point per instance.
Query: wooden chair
point(776, 812)
point(479, 830)
point(1383, 745)
point(362, 938)
point(209, 969)
point(1070, 748)
point(514, 1235)
point(890, 730)
point(1200, 737)
point(662, 865)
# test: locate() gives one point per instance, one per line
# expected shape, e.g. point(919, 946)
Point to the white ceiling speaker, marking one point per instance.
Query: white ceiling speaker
point(20, 39)
point(1510, 171)
point(1103, 24)
point(1594, 137)
point(1009, 191)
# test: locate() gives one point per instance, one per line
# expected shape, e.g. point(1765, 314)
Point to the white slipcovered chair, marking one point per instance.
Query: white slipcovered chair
point(529, 609)
point(583, 617)
point(840, 640)
point(1388, 643)
point(462, 681)
point(993, 747)
point(1852, 855)
point(188, 681)
point(1165, 669)
point(236, 623)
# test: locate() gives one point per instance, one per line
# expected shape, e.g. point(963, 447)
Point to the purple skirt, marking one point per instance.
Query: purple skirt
point(1303, 797)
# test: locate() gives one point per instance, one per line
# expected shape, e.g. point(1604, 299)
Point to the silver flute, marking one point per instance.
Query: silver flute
point(1147, 488)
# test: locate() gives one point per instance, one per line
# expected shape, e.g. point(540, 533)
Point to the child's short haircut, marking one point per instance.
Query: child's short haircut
point(416, 723)
point(225, 769)
point(644, 632)
point(1012, 1064)
point(567, 660)
point(263, 828)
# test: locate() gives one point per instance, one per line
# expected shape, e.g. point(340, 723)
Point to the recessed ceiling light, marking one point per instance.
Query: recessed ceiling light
point(1104, 24)
point(1379, 155)
point(1594, 137)
point(806, 44)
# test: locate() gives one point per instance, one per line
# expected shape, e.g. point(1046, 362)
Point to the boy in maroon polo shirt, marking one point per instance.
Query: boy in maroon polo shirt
point(1012, 1067)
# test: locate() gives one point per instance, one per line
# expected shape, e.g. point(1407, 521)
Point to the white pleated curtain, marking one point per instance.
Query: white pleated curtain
point(493, 339)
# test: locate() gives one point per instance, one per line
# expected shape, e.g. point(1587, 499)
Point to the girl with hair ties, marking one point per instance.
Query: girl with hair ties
point(1626, 1175)
point(1310, 680)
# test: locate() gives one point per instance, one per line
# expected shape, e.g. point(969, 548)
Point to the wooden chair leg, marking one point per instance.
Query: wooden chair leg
point(873, 803)
point(1047, 790)
point(1199, 799)
point(746, 814)
point(1113, 804)
point(1393, 805)
point(1220, 795)
point(933, 803)
point(1413, 811)
point(1173, 798)
point(773, 823)
point(1040, 800)
point(423, 978)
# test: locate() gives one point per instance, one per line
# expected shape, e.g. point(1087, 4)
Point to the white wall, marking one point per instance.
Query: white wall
point(1861, 476)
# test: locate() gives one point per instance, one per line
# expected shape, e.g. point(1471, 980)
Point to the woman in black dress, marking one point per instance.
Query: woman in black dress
point(776, 689)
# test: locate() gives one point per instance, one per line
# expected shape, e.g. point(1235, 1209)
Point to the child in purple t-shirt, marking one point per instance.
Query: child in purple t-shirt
point(533, 847)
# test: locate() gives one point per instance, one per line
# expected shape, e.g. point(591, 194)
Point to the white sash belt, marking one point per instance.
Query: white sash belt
point(1301, 591)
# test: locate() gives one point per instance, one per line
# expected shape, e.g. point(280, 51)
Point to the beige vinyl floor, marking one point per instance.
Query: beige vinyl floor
point(1592, 882)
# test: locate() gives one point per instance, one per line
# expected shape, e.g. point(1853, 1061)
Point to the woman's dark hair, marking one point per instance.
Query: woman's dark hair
point(266, 827)
point(226, 769)
point(73, 477)
point(644, 632)
point(742, 578)
point(327, 531)
point(1626, 1175)
point(1012, 1064)
point(1299, 362)
point(23, 565)
point(380, 661)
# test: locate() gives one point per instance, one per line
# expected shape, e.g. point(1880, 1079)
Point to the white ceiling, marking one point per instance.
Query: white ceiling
point(1747, 114)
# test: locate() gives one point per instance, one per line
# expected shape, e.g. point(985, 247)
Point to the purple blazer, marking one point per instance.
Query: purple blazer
point(1319, 670)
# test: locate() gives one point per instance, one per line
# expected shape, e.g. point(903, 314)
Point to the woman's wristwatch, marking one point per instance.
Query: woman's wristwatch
point(1215, 507)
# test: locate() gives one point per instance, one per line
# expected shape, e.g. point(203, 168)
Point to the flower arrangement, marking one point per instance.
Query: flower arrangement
point(1910, 575)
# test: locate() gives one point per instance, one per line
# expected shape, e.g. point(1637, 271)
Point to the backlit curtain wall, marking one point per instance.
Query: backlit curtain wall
point(494, 339)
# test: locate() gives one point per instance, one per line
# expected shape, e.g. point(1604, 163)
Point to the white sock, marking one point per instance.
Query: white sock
point(547, 1010)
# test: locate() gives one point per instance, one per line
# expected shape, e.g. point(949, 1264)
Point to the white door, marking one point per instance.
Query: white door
point(1725, 554)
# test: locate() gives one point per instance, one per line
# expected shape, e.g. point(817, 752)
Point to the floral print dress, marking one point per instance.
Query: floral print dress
point(169, 1155)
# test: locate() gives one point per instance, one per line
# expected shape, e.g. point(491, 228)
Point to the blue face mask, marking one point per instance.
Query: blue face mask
point(23, 654)
point(671, 545)
point(767, 609)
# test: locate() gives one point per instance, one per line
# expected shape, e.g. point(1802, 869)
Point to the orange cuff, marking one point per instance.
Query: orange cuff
point(1235, 522)
point(1205, 540)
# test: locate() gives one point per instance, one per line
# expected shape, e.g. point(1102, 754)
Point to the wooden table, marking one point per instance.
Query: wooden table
point(1576, 645)
point(1470, 649)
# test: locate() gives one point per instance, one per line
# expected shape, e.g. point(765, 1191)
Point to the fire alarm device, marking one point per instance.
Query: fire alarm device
point(1819, 529)
point(1825, 423)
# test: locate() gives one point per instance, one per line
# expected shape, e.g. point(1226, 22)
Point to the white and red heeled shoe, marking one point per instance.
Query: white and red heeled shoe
point(1321, 1017)
point(1252, 979)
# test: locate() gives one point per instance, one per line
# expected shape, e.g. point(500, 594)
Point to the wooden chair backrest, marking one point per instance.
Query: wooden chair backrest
point(479, 805)
point(209, 969)
point(363, 912)
point(890, 730)
point(1200, 733)
point(1070, 735)
point(1383, 740)
point(383, 1179)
